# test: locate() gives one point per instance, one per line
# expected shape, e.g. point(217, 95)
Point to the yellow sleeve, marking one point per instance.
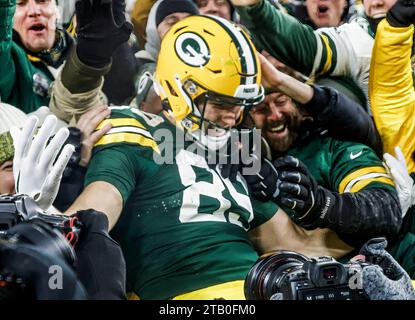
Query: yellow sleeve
point(391, 89)
point(139, 18)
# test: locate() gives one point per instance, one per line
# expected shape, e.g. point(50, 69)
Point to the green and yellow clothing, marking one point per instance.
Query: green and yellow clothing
point(183, 227)
point(351, 167)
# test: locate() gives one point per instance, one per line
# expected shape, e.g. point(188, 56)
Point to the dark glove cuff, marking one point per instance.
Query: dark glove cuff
point(94, 221)
point(79, 77)
point(319, 101)
point(395, 21)
point(318, 217)
point(86, 54)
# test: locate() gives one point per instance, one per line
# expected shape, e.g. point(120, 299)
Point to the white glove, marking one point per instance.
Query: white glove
point(34, 168)
point(404, 183)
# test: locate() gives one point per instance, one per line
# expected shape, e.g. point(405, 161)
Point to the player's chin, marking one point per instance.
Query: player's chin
point(216, 132)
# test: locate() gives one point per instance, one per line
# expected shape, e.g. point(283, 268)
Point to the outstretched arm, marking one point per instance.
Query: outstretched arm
point(344, 118)
point(92, 197)
point(391, 89)
point(101, 29)
point(283, 36)
point(356, 214)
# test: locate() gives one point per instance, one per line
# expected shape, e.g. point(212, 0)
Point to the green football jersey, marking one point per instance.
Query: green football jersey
point(183, 226)
point(342, 166)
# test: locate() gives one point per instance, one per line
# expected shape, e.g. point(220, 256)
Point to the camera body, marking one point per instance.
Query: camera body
point(15, 209)
point(24, 225)
point(293, 276)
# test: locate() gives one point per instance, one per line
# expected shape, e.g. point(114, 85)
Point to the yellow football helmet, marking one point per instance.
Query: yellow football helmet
point(209, 57)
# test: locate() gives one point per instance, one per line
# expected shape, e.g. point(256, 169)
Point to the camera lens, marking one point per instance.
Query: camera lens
point(268, 274)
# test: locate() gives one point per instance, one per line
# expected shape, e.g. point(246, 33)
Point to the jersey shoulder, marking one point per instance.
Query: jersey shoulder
point(130, 126)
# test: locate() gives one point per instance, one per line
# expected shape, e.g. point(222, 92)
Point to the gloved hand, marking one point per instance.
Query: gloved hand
point(404, 183)
point(101, 29)
point(288, 183)
point(264, 185)
point(243, 145)
point(92, 222)
point(385, 279)
point(34, 168)
point(307, 203)
point(402, 13)
point(94, 250)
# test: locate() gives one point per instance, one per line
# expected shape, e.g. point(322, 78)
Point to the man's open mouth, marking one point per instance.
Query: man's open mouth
point(278, 128)
point(322, 9)
point(37, 27)
point(379, 15)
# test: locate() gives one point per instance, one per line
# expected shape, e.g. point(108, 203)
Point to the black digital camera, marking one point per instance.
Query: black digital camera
point(287, 275)
point(22, 224)
point(15, 209)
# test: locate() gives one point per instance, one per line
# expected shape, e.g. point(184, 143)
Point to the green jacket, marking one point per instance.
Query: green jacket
point(21, 83)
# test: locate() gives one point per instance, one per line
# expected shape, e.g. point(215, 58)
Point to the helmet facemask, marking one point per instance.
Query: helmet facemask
point(207, 61)
point(210, 134)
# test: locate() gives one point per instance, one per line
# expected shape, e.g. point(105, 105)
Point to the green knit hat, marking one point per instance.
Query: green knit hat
point(6, 147)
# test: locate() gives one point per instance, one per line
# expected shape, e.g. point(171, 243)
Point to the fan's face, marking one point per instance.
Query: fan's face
point(35, 21)
point(325, 13)
point(6, 178)
point(169, 22)
point(377, 8)
point(220, 8)
point(278, 118)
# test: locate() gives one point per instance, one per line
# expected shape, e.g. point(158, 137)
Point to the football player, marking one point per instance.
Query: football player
point(181, 224)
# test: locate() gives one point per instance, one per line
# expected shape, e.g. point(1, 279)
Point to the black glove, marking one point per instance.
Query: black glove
point(264, 185)
point(307, 203)
point(385, 279)
point(101, 29)
point(356, 216)
point(100, 263)
point(300, 196)
point(237, 153)
point(288, 183)
point(402, 13)
point(75, 139)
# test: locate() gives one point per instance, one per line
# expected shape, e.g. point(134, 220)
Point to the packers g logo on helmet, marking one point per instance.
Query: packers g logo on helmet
point(192, 49)
point(206, 57)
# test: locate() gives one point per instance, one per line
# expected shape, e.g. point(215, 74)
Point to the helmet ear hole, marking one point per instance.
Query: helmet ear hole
point(172, 92)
